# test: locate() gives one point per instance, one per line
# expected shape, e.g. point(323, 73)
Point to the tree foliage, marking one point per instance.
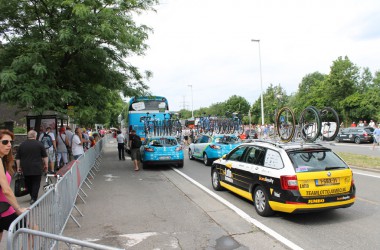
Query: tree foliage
point(59, 52)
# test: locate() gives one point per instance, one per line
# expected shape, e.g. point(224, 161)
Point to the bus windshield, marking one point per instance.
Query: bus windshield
point(145, 103)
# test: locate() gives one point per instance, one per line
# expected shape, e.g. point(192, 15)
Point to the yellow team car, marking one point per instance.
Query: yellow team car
point(288, 177)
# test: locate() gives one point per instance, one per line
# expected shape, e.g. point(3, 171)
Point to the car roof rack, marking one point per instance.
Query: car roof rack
point(285, 144)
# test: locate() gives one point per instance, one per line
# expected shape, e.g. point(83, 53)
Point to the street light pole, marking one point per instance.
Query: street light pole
point(261, 83)
point(192, 101)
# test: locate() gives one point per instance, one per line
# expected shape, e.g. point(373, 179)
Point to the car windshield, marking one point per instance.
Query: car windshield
point(226, 139)
point(162, 142)
point(315, 160)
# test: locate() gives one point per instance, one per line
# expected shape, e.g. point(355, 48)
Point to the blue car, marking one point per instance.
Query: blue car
point(161, 150)
point(209, 148)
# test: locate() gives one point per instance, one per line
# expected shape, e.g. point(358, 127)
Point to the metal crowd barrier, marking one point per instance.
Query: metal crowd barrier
point(41, 227)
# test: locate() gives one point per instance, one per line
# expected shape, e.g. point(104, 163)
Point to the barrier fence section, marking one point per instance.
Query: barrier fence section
point(41, 227)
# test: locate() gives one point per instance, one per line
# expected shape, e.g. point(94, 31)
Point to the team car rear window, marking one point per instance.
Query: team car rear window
point(227, 139)
point(315, 160)
point(163, 142)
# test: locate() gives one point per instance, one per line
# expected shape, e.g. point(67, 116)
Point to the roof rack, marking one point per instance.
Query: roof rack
point(280, 144)
point(277, 144)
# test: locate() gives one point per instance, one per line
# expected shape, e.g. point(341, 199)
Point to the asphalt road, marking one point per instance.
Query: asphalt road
point(361, 149)
point(350, 228)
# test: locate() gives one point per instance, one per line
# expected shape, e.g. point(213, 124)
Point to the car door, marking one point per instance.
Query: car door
point(234, 160)
point(200, 146)
point(353, 133)
point(250, 167)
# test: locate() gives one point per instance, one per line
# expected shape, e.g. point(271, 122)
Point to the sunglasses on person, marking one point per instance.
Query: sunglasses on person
point(5, 142)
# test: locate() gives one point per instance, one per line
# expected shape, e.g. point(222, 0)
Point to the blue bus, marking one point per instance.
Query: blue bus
point(137, 109)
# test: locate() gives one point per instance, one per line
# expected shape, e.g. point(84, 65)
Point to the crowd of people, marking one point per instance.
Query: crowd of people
point(42, 152)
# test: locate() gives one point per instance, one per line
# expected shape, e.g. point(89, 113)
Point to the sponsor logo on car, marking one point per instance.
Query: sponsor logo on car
point(270, 180)
point(326, 192)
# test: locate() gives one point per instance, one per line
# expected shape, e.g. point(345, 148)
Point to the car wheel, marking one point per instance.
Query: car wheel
point(261, 202)
point(206, 160)
point(357, 140)
point(180, 165)
point(191, 157)
point(215, 180)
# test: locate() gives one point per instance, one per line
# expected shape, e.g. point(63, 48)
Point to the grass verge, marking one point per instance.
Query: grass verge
point(363, 161)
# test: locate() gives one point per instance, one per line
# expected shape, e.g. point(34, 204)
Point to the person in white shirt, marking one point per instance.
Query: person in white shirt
point(77, 144)
point(372, 124)
point(120, 144)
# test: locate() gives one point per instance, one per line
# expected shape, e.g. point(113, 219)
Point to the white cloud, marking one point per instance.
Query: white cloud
point(207, 43)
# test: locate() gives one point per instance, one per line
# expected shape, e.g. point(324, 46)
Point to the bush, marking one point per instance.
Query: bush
point(19, 130)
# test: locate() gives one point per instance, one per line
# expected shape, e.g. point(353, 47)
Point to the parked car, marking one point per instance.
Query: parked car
point(285, 177)
point(209, 148)
point(162, 150)
point(356, 134)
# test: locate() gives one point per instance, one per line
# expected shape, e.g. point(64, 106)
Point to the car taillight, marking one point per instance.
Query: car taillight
point(149, 149)
point(289, 182)
point(214, 146)
point(365, 134)
point(179, 148)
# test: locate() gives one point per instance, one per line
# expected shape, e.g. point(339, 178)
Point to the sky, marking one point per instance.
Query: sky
point(201, 51)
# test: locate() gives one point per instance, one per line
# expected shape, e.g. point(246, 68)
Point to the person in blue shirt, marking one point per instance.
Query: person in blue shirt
point(376, 136)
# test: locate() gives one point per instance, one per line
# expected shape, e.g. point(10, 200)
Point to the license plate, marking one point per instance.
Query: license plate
point(164, 158)
point(327, 182)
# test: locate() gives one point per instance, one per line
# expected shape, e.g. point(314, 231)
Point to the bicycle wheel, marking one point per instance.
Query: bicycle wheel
point(330, 123)
point(285, 124)
point(310, 124)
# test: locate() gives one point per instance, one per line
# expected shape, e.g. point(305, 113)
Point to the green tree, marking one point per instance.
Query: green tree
point(59, 52)
point(237, 104)
point(308, 93)
point(342, 81)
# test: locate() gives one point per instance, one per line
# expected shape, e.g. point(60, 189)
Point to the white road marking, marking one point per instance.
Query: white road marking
point(110, 177)
point(242, 214)
point(370, 175)
point(134, 239)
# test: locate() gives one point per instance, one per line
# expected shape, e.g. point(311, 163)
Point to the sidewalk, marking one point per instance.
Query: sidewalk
point(157, 209)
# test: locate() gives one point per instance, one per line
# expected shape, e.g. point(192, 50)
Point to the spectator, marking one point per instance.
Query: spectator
point(62, 145)
point(376, 137)
point(92, 141)
point(365, 124)
point(32, 160)
point(48, 140)
point(372, 123)
point(86, 139)
point(134, 145)
point(353, 124)
point(120, 144)
point(96, 137)
point(360, 124)
point(77, 144)
point(6, 171)
point(69, 133)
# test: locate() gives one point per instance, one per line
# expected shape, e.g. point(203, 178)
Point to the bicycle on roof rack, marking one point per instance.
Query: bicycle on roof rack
point(146, 121)
point(313, 124)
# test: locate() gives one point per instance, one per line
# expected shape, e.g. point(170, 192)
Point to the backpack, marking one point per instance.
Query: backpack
point(136, 141)
point(46, 140)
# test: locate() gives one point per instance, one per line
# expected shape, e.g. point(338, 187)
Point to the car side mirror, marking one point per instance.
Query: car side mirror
point(224, 157)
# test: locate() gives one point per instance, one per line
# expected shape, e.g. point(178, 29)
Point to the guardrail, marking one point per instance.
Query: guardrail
point(41, 227)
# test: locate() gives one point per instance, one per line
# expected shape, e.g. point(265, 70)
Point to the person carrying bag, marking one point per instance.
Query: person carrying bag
point(8, 215)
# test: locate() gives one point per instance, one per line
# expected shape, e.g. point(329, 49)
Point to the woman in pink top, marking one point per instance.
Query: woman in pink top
point(6, 193)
